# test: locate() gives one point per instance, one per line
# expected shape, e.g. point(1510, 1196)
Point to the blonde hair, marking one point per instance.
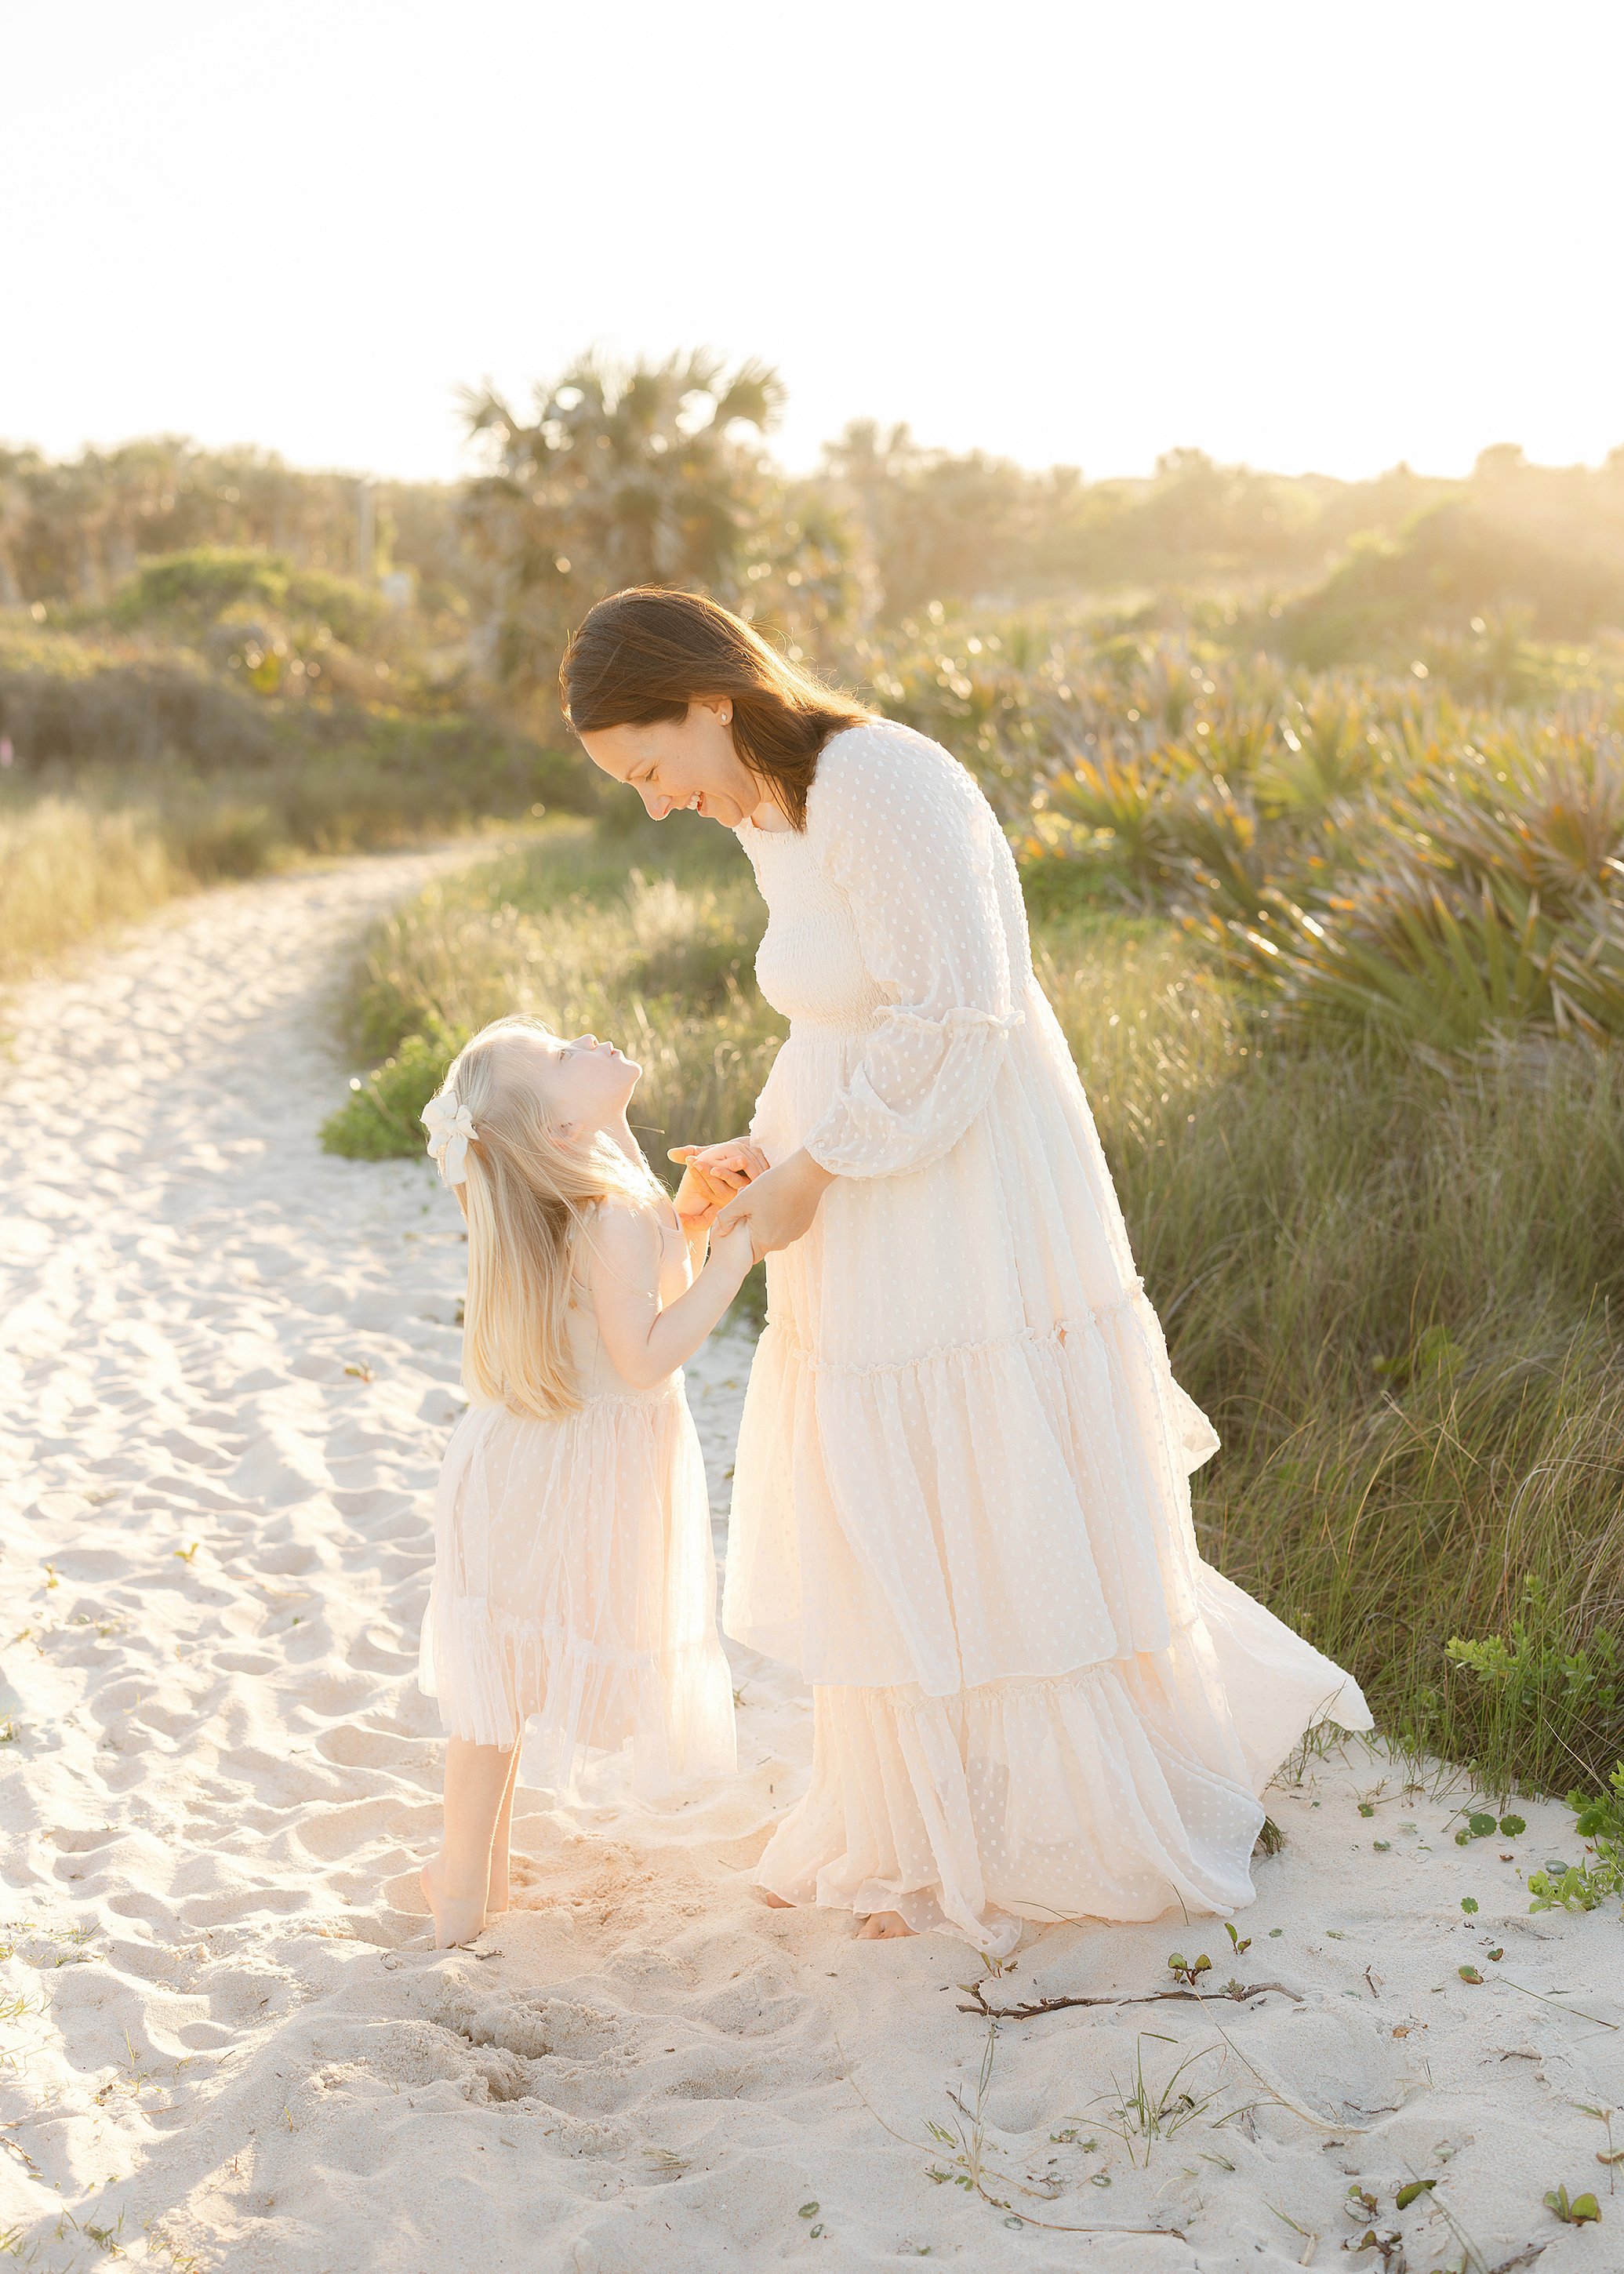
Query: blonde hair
point(525, 1195)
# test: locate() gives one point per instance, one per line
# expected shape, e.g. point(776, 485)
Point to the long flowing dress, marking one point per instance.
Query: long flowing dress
point(961, 1504)
point(573, 1598)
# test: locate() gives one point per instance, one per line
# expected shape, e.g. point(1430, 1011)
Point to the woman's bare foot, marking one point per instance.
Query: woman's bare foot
point(774, 1902)
point(457, 1918)
point(883, 1926)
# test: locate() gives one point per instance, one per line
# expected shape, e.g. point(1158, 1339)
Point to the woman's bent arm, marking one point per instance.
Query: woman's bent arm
point(918, 851)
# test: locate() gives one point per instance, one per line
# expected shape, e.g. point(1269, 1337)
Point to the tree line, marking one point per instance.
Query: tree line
point(662, 472)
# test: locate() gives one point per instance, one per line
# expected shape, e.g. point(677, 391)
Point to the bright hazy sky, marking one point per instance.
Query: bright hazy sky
point(1304, 236)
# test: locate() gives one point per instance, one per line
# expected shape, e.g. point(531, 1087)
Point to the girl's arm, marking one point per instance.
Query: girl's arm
point(644, 1343)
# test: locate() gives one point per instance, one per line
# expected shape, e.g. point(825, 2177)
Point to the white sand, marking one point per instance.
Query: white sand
point(224, 1778)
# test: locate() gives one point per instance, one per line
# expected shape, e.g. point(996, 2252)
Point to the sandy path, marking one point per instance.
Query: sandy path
point(217, 2043)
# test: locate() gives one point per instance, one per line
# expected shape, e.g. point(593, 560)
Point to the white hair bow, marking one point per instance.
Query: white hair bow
point(450, 1126)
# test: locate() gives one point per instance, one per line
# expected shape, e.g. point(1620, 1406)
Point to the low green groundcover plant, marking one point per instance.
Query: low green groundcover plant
point(1583, 1886)
point(382, 1116)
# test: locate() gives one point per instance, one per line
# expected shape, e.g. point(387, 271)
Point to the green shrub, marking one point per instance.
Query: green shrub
point(1480, 895)
point(353, 613)
point(1452, 562)
point(132, 714)
point(1600, 1821)
point(1532, 1700)
point(381, 1120)
point(208, 577)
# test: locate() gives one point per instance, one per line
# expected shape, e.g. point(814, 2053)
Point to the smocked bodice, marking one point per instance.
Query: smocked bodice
point(810, 965)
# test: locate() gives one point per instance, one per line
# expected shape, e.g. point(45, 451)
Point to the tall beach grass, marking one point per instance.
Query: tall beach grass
point(102, 846)
point(69, 868)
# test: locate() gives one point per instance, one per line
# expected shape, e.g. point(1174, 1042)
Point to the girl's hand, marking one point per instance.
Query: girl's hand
point(711, 1175)
point(698, 1198)
point(733, 1250)
point(737, 1161)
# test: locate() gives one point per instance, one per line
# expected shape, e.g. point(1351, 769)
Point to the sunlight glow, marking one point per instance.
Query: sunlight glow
point(1300, 238)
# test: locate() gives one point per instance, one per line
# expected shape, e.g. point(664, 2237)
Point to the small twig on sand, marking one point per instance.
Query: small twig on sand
point(1049, 2227)
point(1236, 1992)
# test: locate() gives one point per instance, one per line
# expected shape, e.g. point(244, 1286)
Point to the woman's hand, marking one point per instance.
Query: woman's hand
point(711, 1174)
point(779, 1206)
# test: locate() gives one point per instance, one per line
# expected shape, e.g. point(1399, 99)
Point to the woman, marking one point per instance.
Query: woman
point(960, 1499)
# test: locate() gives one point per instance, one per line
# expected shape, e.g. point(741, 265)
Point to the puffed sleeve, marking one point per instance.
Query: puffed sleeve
point(908, 837)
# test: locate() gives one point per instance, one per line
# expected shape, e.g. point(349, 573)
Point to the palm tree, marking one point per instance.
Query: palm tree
point(651, 475)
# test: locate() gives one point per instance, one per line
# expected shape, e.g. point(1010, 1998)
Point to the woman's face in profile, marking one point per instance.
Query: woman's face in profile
point(681, 764)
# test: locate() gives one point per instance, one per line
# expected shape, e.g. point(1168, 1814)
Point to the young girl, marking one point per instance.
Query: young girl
point(574, 1585)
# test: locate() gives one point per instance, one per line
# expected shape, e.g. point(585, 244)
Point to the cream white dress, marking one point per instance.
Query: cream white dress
point(574, 1595)
point(961, 1503)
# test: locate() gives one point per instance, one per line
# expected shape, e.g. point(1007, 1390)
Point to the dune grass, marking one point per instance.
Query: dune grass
point(68, 870)
point(1396, 1291)
point(99, 852)
point(155, 747)
point(100, 845)
point(1394, 1284)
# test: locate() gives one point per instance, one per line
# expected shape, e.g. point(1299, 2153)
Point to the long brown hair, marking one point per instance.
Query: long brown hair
point(643, 655)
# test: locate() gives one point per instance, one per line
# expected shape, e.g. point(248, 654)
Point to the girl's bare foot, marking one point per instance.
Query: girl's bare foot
point(457, 1918)
point(883, 1926)
point(774, 1902)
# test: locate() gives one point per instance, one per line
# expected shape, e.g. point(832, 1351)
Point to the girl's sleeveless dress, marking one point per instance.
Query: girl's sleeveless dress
point(574, 1596)
point(961, 1503)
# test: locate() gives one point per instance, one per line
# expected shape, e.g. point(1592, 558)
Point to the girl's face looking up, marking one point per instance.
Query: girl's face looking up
point(681, 764)
point(585, 1084)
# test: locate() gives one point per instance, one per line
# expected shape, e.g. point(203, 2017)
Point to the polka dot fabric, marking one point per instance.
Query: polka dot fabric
point(961, 1499)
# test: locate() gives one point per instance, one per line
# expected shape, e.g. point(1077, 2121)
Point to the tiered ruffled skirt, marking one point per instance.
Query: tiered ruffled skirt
point(962, 1508)
point(574, 1597)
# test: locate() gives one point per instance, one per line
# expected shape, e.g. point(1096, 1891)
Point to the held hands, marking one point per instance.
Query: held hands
point(779, 1205)
point(711, 1175)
